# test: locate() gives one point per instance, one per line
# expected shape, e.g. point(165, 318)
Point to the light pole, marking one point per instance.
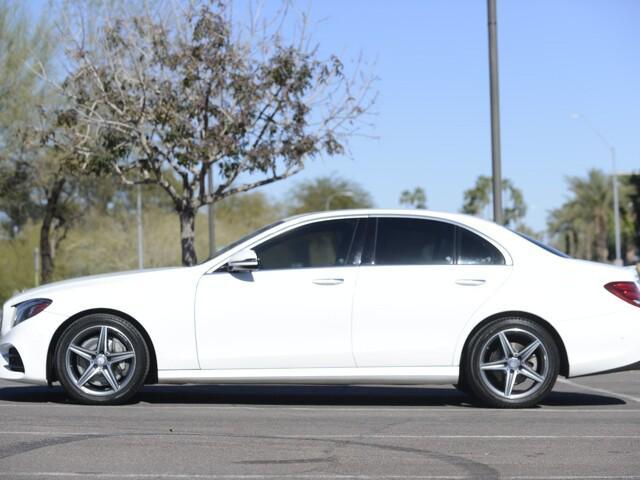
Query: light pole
point(345, 193)
point(496, 160)
point(614, 180)
point(212, 216)
point(139, 225)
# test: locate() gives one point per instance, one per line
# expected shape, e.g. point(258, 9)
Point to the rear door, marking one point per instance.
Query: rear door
point(419, 283)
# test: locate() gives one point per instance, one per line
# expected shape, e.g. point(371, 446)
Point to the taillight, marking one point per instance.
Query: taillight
point(627, 291)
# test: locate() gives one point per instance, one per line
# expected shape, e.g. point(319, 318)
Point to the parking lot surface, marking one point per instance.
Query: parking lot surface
point(587, 428)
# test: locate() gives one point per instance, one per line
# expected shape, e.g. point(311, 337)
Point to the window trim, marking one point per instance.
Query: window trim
point(371, 244)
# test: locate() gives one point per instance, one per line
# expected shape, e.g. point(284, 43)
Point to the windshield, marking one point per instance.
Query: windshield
point(228, 247)
point(544, 246)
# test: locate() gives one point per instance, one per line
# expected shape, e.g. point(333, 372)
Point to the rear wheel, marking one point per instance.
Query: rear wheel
point(512, 363)
point(102, 359)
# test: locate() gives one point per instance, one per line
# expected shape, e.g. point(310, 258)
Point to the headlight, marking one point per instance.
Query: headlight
point(29, 308)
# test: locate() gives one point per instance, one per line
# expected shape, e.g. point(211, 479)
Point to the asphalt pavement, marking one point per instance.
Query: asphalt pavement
point(587, 428)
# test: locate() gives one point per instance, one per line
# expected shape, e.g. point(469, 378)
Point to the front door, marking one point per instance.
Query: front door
point(293, 312)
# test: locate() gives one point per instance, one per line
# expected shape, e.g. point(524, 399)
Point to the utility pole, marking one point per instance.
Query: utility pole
point(496, 162)
point(212, 216)
point(140, 231)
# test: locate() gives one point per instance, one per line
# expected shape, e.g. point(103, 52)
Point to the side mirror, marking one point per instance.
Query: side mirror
point(243, 261)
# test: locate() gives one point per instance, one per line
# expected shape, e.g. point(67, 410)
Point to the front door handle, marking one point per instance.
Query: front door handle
point(470, 282)
point(328, 281)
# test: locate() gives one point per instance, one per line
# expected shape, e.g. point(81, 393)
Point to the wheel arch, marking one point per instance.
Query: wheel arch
point(152, 376)
point(564, 359)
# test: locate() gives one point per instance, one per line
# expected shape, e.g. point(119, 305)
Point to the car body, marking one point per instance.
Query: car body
point(374, 315)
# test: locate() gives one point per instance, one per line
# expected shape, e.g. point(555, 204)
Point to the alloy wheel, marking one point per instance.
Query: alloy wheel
point(514, 364)
point(100, 360)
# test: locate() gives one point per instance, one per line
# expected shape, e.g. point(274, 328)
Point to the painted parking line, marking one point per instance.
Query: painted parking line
point(319, 437)
point(599, 390)
point(179, 476)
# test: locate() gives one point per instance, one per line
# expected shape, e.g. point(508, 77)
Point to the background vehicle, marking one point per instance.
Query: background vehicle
point(366, 296)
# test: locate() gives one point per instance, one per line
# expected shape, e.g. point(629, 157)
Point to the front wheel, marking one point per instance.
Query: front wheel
point(102, 359)
point(512, 363)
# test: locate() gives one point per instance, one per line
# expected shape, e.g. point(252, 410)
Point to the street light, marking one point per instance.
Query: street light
point(346, 193)
point(614, 179)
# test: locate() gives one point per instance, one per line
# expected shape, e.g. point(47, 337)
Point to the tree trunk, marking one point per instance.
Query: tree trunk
point(46, 248)
point(188, 236)
point(631, 255)
point(602, 250)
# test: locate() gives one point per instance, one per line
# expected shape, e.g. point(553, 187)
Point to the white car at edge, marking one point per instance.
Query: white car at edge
point(348, 297)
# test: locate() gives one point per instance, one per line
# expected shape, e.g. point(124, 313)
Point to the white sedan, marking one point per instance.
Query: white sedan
point(349, 297)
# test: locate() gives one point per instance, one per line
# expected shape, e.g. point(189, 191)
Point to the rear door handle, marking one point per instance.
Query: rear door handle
point(470, 282)
point(328, 281)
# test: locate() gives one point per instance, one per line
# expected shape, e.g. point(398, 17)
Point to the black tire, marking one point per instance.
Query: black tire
point(463, 384)
point(86, 358)
point(520, 378)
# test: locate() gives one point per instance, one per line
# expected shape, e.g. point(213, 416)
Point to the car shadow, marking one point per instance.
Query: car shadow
point(301, 395)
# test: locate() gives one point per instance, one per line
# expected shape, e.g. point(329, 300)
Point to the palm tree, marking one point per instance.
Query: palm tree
point(416, 198)
point(477, 198)
point(582, 223)
point(594, 202)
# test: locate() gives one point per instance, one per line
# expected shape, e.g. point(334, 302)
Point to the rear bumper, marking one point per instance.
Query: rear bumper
point(603, 343)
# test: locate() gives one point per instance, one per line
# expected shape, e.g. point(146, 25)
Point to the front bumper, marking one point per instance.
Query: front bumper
point(30, 340)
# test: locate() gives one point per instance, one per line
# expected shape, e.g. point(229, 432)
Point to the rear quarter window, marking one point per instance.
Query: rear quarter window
point(475, 250)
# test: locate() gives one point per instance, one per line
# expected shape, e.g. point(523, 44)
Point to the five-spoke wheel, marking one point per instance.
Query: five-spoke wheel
point(102, 359)
point(511, 362)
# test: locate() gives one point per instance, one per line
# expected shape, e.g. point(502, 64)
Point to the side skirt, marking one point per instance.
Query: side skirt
point(327, 376)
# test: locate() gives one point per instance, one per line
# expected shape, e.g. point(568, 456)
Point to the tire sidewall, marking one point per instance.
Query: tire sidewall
point(139, 345)
point(472, 367)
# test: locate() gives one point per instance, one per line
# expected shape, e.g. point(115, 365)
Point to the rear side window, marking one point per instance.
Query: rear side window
point(320, 244)
point(409, 241)
point(475, 250)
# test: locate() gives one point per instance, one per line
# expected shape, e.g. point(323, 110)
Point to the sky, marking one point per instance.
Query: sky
point(432, 123)
point(433, 114)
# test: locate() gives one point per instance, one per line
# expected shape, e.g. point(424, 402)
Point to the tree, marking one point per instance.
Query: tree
point(416, 198)
point(327, 193)
point(160, 97)
point(632, 217)
point(21, 91)
point(33, 183)
point(583, 225)
point(480, 196)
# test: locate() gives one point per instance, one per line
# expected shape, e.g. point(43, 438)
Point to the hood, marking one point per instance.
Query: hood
point(52, 289)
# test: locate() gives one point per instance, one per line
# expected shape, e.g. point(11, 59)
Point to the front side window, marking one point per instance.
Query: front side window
point(411, 241)
point(320, 244)
point(475, 250)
